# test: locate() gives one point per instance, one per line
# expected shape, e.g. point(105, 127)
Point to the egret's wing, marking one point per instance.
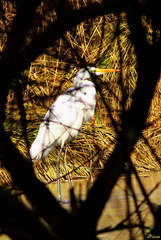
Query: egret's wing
point(61, 123)
point(87, 94)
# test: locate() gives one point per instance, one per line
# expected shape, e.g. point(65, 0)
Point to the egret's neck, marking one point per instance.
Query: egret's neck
point(77, 82)
point(81, 83)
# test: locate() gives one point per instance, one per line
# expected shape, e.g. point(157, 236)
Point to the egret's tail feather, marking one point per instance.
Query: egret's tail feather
point(35, 152)
point(38, 152)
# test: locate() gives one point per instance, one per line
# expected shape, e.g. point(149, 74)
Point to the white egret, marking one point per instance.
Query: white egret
point(64, 119)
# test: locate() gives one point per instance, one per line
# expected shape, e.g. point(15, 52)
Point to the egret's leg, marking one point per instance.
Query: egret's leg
point(58, 173)
point(65, 166)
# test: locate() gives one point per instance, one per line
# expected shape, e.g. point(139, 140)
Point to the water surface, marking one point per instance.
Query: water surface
point(116, 209)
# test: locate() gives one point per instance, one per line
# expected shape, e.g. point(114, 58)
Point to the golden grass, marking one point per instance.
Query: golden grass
point(95, 42)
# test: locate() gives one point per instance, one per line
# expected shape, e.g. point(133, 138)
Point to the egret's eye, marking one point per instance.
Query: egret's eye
point(92, 70)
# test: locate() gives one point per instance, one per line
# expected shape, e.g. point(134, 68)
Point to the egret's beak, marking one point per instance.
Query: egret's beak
point(106, 70)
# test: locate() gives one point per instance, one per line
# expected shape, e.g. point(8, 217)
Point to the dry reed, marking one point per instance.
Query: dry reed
point(102, 42)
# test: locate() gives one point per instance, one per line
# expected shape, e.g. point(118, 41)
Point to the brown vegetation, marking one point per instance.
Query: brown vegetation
point(42, 48)
point(95, 42)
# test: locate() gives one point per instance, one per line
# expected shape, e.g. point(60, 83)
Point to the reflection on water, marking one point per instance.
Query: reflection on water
point(116, 209)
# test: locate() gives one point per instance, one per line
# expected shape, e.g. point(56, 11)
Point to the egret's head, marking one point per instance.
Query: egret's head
point(86, 73)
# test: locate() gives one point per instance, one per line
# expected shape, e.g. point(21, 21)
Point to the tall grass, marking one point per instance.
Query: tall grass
point(102, 42)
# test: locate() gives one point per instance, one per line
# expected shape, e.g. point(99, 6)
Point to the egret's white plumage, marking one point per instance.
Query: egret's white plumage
point(64, 119)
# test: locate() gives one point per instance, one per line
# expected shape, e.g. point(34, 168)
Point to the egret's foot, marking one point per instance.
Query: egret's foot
point(64, 201)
